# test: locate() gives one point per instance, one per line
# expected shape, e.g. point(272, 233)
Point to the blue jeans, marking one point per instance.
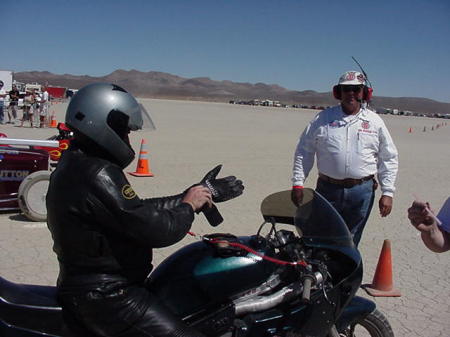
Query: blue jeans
point(2, 116)
point(353, 204)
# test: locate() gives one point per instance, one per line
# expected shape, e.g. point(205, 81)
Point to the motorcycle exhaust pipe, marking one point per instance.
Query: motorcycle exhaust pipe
point(260, 303)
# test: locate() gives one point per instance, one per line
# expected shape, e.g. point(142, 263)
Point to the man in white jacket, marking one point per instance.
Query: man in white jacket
point(352, 146)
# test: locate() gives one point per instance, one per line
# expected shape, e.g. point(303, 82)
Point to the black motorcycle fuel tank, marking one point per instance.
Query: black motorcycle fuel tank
point(199, 275)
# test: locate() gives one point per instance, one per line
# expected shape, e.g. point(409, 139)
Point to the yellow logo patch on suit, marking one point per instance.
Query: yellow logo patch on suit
point(128, 192)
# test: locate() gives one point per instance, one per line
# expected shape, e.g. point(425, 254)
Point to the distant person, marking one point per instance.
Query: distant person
point(43, 108)
point(2, 102)
point(13, 103)
point(37, 107)
point(352, 145)
point(436, 237)
point(28, 107)
point(69, 93)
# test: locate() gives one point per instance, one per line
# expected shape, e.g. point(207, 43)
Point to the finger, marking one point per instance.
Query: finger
point(198, 188)
point(207, 194)
point(238, 185)
point(237, 188)
point(213, 173)
point(239, 182)
point(228, 179)
point(237, 193)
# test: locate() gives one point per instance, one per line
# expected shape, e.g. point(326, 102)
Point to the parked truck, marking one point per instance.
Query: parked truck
point(56, 92)
point(7, 77)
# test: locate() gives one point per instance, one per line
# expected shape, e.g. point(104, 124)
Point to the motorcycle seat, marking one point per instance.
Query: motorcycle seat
point(27, 295)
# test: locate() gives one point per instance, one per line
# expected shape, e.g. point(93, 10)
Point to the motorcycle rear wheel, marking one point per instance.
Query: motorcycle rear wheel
point(373, 325)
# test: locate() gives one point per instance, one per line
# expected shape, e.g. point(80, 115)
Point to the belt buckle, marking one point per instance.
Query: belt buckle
point(349, 183)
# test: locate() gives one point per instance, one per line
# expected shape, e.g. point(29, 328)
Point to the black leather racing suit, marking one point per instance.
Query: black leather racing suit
point(103, 236)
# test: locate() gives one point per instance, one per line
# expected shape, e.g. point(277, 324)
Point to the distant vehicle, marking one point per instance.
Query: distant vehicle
point(71, 92)
point(33, 86)
point(7, 77)
point(25, 172)
point(56, 92)
point(16, 165)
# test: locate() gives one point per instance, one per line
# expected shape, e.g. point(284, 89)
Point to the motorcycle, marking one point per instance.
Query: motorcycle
point(297, 280)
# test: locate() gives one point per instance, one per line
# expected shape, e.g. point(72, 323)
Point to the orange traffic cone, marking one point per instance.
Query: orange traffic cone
point(53, 123)
point(143, 167)
point(382, 285)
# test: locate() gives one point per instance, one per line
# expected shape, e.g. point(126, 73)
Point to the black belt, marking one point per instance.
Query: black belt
point(347, 182)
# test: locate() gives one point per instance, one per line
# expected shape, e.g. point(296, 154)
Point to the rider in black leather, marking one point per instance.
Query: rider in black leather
point(103, 232)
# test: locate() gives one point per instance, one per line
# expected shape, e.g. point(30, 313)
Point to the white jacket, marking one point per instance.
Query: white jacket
point(347, 146)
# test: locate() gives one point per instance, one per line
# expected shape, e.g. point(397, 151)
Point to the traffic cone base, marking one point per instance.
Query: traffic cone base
point(380, 293)
point(382, 284)
point(141, 174)
point(143, 167)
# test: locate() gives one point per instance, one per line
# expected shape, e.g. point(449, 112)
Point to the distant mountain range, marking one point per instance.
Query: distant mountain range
point(154, 84)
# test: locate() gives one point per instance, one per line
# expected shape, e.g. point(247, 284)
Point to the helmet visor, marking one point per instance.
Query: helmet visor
point(147, 122)
point(141, 120)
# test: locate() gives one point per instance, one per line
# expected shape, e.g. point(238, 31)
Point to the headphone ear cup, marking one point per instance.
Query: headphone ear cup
point(337, 92)
point(368, 92)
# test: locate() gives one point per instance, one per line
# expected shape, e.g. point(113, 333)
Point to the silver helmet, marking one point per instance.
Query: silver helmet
point(98, 111)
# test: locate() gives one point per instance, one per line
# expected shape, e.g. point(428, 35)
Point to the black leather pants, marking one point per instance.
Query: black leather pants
point(126, 312)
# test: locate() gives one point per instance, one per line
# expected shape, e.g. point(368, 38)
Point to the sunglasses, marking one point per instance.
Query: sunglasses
point(348, 88)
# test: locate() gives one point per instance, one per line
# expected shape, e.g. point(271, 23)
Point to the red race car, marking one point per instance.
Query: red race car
point(25, 172)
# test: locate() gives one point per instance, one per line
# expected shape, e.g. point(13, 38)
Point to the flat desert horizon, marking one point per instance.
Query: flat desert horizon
point(257, 144)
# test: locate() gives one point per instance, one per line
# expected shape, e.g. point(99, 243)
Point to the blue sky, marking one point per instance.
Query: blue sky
point(403, 45)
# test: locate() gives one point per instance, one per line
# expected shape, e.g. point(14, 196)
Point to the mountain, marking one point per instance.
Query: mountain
point(155, 84)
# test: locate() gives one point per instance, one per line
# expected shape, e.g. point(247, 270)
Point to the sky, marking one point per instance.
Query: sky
point(404, 45)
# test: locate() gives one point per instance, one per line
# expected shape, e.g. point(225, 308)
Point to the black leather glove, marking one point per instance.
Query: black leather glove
point(222, 189)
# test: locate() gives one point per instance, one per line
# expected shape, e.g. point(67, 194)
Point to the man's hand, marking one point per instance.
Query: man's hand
point(222, 189)
point(420, 218)
point(197, 196)
point(385, 205)
point(297, 196)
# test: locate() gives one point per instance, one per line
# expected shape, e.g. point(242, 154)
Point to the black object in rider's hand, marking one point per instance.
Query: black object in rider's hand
point(212, 214)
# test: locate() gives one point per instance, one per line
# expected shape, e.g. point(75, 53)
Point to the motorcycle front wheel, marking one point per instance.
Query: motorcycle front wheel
point(373, 325)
